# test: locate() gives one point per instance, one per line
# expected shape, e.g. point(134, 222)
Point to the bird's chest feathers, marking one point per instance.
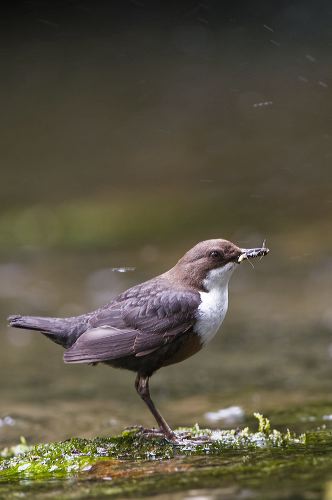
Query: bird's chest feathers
point(211, 312)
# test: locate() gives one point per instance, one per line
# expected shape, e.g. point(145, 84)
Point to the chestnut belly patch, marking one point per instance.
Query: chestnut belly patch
point(189, 345)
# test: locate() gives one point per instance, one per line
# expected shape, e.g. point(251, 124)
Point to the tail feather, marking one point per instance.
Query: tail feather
point(51, 326)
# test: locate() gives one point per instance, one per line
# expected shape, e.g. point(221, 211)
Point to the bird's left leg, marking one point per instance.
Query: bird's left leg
point(142, 387)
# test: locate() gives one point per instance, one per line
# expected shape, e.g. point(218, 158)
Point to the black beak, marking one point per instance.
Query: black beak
point(252, 253)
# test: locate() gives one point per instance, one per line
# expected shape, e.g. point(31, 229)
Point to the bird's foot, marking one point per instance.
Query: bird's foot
point(184, 438)
point(178, 438)
point(153, 433)
point(149, 433)
point(170, 436)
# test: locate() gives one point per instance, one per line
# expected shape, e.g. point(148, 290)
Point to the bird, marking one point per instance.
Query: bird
point(154, 324)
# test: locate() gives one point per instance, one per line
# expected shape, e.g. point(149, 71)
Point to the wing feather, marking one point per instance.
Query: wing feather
point(135, 325)
point(100, 344)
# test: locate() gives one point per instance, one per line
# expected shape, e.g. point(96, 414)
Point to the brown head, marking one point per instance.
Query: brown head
point(211, 263)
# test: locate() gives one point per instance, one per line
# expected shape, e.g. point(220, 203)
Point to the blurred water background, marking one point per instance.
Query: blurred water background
point(129, 132)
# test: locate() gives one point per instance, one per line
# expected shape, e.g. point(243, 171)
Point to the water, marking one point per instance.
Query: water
point(126, 144)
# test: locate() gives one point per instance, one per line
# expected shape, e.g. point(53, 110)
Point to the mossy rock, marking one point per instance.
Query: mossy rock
point(63, 459)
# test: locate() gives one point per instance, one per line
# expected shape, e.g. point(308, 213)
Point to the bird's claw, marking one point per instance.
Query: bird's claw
point(180, 438)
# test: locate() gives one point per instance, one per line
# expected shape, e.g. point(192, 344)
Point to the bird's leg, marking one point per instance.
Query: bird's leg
point(142, 387)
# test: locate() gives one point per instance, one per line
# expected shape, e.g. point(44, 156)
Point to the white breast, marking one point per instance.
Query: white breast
point(214, 303)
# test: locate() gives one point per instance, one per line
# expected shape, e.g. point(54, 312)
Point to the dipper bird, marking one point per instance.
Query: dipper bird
point(156, 323)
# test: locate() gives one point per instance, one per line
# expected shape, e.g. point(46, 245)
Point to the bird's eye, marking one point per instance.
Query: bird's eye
point(215, 254)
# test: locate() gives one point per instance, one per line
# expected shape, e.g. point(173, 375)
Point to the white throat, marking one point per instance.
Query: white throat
point(214, 302)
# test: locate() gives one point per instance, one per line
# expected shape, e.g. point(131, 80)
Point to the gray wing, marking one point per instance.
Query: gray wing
point(139, 322)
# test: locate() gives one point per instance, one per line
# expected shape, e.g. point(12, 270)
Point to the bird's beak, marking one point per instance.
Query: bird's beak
point(252, 253)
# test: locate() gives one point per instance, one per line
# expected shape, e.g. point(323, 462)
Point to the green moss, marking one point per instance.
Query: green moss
point(263, 424)
point(66, 458)
point(132, 465)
